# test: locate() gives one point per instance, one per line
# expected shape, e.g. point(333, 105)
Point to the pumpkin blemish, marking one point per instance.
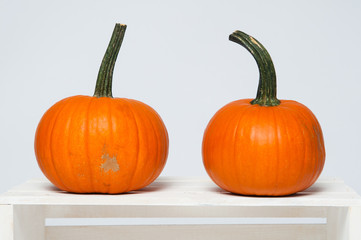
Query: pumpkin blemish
point(110, 163)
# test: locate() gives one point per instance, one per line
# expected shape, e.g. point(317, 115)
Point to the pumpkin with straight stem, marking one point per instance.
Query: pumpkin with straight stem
point(101, 144)
point(264, 146)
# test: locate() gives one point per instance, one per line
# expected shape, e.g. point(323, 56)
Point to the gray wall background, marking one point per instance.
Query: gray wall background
point(176, 57)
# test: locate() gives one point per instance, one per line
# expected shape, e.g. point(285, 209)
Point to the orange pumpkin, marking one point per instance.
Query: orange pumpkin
point(101, 144)
point(263, 146)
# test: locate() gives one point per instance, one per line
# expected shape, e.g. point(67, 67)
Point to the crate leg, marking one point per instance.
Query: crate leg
point(337, 223)
point(29, 222)
point(344, 223)
point(6, 222)
point(354, 222)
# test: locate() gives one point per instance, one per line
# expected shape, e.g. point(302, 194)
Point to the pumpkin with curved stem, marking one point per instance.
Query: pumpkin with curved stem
point(264, 146)
point(101, 144)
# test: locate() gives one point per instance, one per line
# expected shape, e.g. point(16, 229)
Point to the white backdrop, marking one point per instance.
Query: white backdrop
point(177, 58)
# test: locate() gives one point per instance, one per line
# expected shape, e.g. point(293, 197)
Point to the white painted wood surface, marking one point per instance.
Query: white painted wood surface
point(24, 208)
point(187, 232)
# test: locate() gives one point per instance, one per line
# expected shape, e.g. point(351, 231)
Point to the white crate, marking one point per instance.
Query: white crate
point(204, 211)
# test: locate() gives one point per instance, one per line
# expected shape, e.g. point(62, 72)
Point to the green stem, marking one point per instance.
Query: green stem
point(103, 86)
point(267, 89)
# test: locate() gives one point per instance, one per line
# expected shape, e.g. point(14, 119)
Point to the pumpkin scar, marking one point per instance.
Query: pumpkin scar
point(110, 163)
